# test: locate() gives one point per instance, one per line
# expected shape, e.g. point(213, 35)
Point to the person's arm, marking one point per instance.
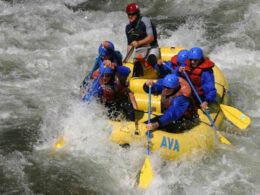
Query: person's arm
point(132, 99)
point(162, 68)
point(177, 108)
point(146, 41)
point(156, 87)
point(208, 86)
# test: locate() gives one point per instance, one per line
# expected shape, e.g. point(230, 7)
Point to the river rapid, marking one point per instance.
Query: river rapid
point(46, 49)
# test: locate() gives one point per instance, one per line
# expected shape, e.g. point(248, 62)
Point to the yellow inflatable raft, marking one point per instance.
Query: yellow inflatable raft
point(170, 145)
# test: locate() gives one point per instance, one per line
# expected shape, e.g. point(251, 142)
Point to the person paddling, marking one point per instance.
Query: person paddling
point(175, 103)
point(142, 35)
point(173, 65)
point(200, 72)
point(106, 55)
point(112, 91)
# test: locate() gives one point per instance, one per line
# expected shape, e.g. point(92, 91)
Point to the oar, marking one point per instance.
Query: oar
point(87, 97)
point(95, 66)
point(222, 139)
point(235, 116)
point(146, 174)
point(60, 142)
point(129, 53)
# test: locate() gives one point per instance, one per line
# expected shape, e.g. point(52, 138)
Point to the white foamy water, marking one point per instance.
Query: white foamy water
point(46, 50)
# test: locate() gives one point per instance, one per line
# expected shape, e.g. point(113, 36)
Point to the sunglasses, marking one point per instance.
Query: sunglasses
point(131, 14)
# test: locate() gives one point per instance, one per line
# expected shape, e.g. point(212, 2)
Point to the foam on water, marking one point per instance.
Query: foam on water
point(46, 50)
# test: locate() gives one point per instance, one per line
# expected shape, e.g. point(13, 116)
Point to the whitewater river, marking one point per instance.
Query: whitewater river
point(46, 49)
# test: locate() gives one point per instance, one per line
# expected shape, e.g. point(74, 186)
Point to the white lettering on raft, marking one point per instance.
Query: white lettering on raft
point(170, 143)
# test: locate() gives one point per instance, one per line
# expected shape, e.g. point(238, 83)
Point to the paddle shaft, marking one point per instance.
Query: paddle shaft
point(89, 95)
point(84, 82)
point(129, 53)
point(200, 101)
point(149, 119)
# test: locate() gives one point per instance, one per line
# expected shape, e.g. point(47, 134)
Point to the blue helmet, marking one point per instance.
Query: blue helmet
point(171, 81)
point(106, 48)
point(182, 57)
point(123, 71)
point(196, 53)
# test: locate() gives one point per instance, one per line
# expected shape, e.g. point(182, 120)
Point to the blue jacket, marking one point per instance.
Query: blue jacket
point(207, 84)
point(177, 108)
point(164, 69)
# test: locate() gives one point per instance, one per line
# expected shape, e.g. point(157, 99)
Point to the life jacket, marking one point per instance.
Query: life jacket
point(121, 91)
point(184, 90)
point(108, 92)
point(174, 61)
point(195, 74)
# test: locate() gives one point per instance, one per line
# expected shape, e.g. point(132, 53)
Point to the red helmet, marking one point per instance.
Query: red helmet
point(132, 8)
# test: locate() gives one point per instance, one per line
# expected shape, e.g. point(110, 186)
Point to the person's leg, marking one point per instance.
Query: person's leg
point(140, 56)
point(152, 60)
point(138, 69)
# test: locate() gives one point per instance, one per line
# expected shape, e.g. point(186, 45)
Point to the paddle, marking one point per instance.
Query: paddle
point(60, 142)
point(87, 97)
point(222, 139)
point(146, 174)
point(129, 53)
point(235, 116)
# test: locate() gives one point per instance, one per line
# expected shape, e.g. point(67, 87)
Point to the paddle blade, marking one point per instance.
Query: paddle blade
point(146, 175)
point(222, 139)
point(235, 116)
point(59, 143)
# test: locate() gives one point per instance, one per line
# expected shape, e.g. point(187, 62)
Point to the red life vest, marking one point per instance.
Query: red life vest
point(195, 73)
point(122, 92)
point(113, 93)
point(174, 61)
point(184, 90)
point(108, 92)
